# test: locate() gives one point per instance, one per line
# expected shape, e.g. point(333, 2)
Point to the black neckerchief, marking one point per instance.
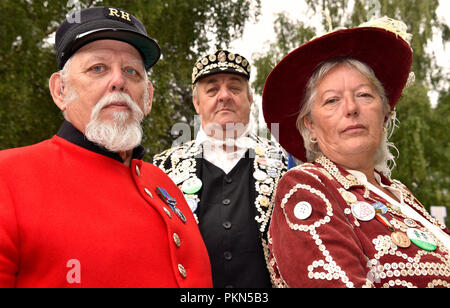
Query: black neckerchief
point(68, 132)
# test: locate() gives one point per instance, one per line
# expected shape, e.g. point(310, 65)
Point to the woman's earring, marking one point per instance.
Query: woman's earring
point(313, 140)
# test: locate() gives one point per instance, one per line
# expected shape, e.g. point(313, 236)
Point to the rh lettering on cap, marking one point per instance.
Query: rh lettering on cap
point(118, 14)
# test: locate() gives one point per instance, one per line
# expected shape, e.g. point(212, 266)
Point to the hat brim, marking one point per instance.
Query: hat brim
point(221, 71)
point(389, 56)
point(147, 47)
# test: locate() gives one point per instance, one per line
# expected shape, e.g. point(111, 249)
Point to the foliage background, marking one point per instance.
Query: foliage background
point(422, 138)
point(186, 29)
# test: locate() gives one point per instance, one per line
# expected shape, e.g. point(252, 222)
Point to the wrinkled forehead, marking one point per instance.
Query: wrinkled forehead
point(109, 50)
point(222, 78)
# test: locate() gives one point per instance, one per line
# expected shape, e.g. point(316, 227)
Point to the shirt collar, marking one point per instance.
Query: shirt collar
point(68, 132)
point(242, 142)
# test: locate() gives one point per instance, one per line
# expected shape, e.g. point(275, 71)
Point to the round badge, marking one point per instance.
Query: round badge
point(191, 186)
point(410, 223)
point(302, 210)
point(192, 201)
point(259, 175)
point(400, 239)
point(272, 172)
point(363, 211)
point(421, 239)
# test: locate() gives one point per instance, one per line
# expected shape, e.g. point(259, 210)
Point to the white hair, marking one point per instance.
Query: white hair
point(71, 94)
point(384, 161)
point(124, 132)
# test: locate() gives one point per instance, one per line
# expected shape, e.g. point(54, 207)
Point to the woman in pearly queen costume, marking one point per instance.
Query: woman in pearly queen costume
point(339, 219)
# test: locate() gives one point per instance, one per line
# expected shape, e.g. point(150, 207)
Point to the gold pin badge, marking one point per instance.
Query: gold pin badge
point(349, 197)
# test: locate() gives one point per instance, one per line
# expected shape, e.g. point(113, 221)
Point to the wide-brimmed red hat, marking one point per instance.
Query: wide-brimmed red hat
point(381, 44)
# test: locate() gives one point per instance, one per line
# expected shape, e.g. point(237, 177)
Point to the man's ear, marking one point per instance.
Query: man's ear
point(56, 87)
point(149, 103)
point(196, 103)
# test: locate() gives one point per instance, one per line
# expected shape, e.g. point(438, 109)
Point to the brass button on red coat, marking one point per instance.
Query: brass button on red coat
point(167, 212)
point(176, 240)
point(182, 271)
point(138, 172)
point(148, 192)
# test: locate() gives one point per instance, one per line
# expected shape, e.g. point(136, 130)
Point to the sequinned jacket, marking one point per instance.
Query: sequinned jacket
point(332, 248)
point(269, 164)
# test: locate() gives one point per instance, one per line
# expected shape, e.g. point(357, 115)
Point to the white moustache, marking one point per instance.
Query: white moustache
point(117, 98)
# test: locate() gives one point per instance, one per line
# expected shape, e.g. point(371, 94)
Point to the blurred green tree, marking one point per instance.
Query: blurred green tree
point(185, 29)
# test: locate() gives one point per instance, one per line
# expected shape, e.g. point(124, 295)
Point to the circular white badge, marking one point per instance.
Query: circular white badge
point(363, 211)
point(192, 201)
point(421, 239)
point(302, 210)
point(259, 175)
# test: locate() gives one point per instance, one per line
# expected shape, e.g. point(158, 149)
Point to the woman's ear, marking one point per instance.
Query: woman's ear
point(309, 125)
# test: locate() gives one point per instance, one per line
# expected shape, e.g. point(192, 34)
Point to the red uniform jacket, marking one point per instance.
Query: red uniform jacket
point(70, 217)
point(329, 247)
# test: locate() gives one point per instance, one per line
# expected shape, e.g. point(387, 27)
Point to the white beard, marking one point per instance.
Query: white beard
point(124, 132)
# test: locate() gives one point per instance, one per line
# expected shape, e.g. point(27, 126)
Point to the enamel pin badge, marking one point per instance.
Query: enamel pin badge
point(170, 201)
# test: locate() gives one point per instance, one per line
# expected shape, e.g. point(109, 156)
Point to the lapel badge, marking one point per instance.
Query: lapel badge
point(363, 211)
point(410, 223)
point(421, 239)
point(169, 200)
point(192, 201)
point(380, 208)
point(349, 197)
point(192, 186)
point(164, 195)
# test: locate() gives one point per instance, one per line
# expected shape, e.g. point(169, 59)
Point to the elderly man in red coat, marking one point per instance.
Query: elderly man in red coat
point(81, 209)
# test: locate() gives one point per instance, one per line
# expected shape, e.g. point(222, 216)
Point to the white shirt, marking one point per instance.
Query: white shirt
point(213, 150)
point(405, 208)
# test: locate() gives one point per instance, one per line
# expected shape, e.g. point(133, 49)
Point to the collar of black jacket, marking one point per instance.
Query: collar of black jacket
point(68, 132)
